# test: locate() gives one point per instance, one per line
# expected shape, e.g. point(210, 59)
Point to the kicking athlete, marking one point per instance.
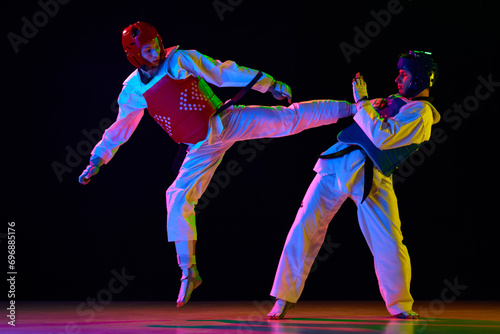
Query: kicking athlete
point(172, 84)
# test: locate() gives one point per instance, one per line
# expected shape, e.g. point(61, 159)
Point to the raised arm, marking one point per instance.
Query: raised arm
point(227, 74)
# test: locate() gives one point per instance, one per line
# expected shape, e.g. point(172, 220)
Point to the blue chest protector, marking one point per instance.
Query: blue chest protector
point(385, 161)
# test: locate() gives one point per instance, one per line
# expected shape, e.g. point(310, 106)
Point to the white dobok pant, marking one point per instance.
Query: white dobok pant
point(378, 218)
point(240, 123)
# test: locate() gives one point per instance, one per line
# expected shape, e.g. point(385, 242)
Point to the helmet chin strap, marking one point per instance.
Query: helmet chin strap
point(149, 69)
point(145, 68)
point(147, 73)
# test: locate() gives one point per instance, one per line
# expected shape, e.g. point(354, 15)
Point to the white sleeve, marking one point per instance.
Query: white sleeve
point(220, 74)
point(412, 125)
point(131, 110)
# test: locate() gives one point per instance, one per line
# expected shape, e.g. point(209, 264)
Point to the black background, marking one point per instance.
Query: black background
point(63, 82)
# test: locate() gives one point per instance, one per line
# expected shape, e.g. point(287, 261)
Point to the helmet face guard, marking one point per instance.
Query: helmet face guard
point(137, 35)
point(422, 68)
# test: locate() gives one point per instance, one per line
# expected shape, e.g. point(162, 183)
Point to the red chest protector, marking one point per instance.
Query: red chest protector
point(182, 107)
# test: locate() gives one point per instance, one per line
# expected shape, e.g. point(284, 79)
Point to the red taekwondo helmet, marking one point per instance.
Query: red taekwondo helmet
point(134, 37)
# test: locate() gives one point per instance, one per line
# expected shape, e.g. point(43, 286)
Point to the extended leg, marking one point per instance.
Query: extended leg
point(252, 122)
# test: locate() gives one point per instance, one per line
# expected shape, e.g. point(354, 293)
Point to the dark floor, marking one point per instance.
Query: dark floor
point(249, 317)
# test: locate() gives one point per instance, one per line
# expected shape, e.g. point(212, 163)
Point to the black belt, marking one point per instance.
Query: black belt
point(181, 153)
point(368, 167)
point(240, 94)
